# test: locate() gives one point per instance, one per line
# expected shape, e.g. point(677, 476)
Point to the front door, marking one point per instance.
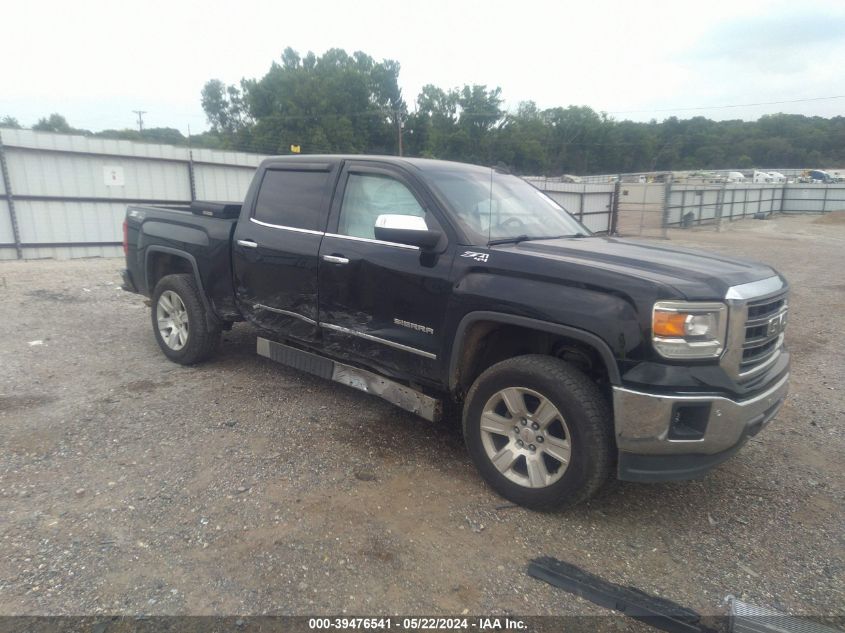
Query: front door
point(380, 302)
point(275, 250)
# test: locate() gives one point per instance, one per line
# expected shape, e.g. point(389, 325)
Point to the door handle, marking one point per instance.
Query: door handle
point(334, 259)
point(247, 243)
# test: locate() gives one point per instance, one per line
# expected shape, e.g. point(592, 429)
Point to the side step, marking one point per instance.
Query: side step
point(361, 379)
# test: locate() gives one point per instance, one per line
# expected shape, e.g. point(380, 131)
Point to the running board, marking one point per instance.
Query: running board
point(360, 379)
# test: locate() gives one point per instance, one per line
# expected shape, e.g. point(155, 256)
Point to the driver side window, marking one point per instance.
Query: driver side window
point(368, 196)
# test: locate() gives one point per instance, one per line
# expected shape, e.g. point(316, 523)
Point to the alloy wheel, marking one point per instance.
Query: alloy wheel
point(525, 437)
point(172, 320)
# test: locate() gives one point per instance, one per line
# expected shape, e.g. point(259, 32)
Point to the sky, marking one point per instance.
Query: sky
point(96, 62)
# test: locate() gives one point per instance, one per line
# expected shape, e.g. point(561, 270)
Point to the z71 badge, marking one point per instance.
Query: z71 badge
point(479, 257)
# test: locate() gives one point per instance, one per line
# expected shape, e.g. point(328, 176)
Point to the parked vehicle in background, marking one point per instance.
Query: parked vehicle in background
point(820, 176)
point(449, 287)
point(736, 176)
point(761, 177)
point(776, 176)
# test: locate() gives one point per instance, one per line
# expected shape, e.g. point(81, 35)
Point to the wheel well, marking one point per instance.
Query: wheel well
point(160, 264)
point(488, 342)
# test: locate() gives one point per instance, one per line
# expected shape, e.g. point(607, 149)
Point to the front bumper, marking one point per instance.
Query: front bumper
point(667, 437)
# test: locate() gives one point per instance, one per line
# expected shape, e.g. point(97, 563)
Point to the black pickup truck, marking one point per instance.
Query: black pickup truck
point(445, 287)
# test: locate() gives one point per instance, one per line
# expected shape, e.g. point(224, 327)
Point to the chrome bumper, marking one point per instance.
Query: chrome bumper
point(647, 423)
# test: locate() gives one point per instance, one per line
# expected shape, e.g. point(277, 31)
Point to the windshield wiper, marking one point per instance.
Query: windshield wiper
point(510, 240)
point(527, 238)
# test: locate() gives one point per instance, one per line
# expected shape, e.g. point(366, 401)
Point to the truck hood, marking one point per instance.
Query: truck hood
point(695, 274)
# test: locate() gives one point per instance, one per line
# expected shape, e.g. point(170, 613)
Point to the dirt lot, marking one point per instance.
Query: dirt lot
point(132, 485)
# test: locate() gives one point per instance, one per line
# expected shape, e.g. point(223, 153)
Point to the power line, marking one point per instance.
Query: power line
point(505, 114)
point(723, 107)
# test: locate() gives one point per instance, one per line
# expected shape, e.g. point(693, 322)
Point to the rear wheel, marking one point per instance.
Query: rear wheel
point(180, 321)
point(539, 432)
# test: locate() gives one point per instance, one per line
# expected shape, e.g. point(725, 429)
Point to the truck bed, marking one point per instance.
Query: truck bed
point(154, 233)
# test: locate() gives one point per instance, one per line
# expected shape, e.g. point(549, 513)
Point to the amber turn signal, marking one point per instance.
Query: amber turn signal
point(670, 324)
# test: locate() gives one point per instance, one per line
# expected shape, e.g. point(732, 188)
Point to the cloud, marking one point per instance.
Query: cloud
point(777, 39)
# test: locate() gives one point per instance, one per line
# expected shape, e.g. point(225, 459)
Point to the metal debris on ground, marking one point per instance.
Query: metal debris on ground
point(657, 612)
point(749, 618)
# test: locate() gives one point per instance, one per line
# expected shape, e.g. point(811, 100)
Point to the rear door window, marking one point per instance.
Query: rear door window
point(294, 199)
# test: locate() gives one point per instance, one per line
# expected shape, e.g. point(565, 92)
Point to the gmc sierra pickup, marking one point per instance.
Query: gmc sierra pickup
point(449, 287)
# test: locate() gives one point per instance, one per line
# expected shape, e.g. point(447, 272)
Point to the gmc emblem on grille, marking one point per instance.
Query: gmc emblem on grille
point(775, 325)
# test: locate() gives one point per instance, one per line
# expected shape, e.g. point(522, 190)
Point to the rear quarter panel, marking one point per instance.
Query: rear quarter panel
point(204, 241)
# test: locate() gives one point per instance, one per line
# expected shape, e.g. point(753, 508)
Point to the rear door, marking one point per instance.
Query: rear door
point(276, 246)
point(383, 303)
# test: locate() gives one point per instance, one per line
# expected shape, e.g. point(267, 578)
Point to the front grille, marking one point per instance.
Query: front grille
point(763, 338)
point(766, 308)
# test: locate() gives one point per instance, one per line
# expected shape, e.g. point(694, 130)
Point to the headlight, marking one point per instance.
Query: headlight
point(682, 329)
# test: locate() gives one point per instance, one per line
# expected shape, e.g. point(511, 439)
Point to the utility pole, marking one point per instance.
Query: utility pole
point(398, 116)
point(140, 114)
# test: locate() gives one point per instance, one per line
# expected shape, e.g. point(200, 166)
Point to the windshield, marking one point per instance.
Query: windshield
point(490, 206)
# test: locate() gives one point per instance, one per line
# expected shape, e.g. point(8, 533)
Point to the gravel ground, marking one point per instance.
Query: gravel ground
point(130, 485)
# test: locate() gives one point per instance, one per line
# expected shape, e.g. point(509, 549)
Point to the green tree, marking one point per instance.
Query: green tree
point(223, 106)
point(10, 122)
point(56, 123)
point(333, 103)
point(164, 135)
point(338, 102)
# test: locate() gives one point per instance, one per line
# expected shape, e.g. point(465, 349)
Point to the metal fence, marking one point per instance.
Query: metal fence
point(813, 198)
point(641, 208)
point(65, 196)
point(688, 205)
point(651, 208)
point(592, 204)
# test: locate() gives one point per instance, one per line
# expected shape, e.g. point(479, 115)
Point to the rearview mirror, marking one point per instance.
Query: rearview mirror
point(405, 229)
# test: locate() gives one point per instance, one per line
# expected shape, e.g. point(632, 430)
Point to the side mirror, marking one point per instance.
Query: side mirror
point(405, 229)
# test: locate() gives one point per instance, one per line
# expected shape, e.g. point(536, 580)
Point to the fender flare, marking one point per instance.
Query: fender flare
point(213, 318)
point(578, 334)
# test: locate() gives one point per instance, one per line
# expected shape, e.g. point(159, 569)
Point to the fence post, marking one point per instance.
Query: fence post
point(720, 202)
point(10, 200)
point(667, 195)
point(700, 205)
point(191, 178)
point(824, 199)
point(614, 206)
point(733, 198)
point(581, 203)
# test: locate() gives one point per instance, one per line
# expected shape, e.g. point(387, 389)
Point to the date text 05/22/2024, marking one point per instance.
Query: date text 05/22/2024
point(418, 624)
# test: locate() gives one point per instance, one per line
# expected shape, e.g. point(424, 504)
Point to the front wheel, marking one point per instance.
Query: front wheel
point(180, 324)
point(539, 432)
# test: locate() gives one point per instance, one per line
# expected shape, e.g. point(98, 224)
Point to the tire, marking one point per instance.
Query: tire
point(184, 335)
point(541, 474)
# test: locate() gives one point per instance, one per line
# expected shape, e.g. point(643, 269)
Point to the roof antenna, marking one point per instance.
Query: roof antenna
point(490, 208)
